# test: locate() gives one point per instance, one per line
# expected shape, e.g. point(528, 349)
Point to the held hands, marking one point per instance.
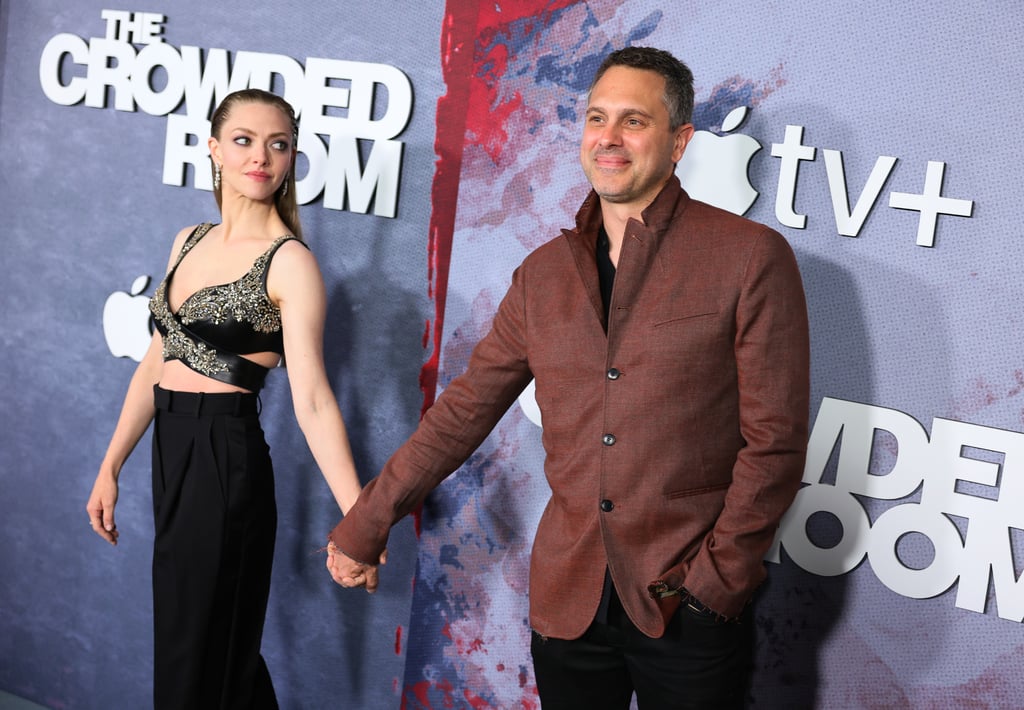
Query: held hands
point(349, 573)
point(101, 507)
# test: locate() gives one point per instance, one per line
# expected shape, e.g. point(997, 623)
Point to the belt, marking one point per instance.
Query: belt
point(200, 404)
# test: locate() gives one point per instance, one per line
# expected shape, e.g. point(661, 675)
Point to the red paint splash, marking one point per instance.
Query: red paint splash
point(469, 112)
point(464, 648)
point(421, 691)
point(487, 113)
point(398, 641)
point(458, 33)
point(475, 701)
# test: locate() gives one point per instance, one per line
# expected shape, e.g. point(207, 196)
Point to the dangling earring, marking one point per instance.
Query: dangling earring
point(216, 176)
point(284, 189)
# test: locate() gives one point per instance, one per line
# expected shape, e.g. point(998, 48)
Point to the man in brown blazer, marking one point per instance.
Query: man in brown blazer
point(668, 341)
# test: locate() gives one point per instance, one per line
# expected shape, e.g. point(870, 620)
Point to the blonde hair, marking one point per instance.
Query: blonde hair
point(284, 200)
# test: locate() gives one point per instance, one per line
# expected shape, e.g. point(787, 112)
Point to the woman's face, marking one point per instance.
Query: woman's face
point(255, 151)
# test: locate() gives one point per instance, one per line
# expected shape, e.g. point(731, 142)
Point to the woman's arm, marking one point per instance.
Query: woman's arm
point(296, 285)
point(136, 414)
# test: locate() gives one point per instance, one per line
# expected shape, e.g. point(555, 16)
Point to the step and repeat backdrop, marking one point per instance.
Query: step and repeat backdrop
point(438, 147)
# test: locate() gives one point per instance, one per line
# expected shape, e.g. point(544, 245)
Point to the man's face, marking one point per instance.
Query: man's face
point(628, 149)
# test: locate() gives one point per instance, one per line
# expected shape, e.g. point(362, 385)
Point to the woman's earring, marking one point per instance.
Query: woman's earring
point(216, 176)
point(284, 190)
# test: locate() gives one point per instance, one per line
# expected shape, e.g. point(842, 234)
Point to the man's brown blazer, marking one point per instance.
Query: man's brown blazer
point(675, 432)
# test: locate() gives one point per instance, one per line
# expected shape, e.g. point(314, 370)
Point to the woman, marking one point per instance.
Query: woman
point(237, 297)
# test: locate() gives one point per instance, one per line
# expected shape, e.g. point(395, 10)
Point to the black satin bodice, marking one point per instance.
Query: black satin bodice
point(217, 325)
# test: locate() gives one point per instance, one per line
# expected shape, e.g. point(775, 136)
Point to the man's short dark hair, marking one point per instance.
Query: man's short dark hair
point(678, 78)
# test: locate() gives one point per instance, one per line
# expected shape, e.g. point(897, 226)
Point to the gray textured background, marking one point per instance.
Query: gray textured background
point(933, 333)
point(85, 213)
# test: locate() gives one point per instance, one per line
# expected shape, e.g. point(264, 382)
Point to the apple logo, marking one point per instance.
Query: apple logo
point(126, 324)
point(713, 168)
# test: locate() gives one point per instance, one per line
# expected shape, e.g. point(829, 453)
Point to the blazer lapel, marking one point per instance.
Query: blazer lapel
point(582, 243)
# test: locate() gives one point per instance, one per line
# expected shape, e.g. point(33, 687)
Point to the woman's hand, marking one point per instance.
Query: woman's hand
point(101, 507)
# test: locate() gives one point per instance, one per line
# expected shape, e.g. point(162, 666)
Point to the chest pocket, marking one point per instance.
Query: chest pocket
point(693, 334)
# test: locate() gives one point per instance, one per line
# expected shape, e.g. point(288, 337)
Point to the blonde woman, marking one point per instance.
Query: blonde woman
point(237, 297)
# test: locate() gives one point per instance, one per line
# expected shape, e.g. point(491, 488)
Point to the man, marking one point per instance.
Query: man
point(668, 340)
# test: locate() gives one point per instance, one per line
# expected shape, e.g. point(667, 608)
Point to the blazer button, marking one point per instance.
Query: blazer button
point(613, 374)
point(608, 440)
point(607, 506)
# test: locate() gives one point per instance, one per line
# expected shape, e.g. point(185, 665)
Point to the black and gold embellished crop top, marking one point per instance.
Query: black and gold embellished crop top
point(217, 325)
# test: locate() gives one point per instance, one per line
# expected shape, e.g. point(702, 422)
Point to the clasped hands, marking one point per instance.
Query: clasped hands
point(350, 573)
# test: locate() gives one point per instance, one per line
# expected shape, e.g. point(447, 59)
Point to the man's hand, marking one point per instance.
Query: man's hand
point(349, 573)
